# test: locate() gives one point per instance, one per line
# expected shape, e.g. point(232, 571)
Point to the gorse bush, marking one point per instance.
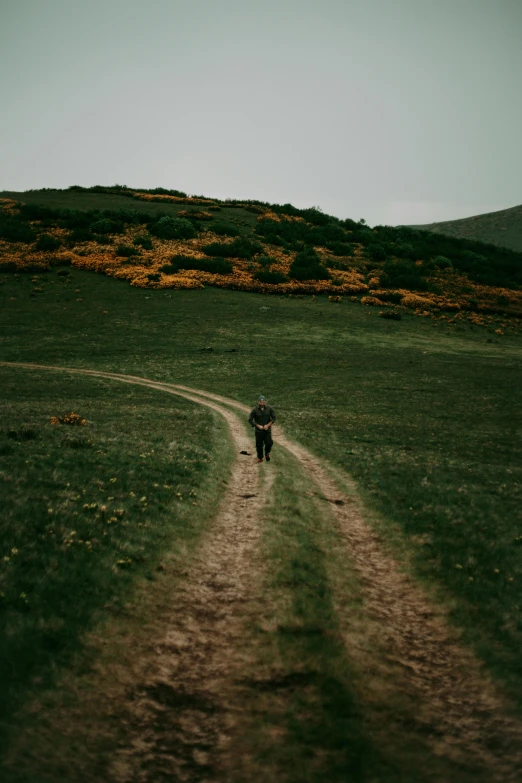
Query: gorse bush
point(340, 248)
point(391, 315)
point(126, 251)
point(225, 230)
point(13, 230)
point(216, 266)
point(265, 261)
point(297, 234)
point(239, 248)
point(102, 226)
point(376, 251)
point(144, 241)
point(442, 262)
point(267, 276)
point(80, 234)
point(47, 243)
point(307, 266)
point(169, 227)
point(404, 273)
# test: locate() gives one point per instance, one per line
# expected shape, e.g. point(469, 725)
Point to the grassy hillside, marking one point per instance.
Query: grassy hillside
point(168, 240)
point(424, 414)
point(503, 228)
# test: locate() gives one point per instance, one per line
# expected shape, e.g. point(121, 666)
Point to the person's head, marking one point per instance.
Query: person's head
point(261, 401)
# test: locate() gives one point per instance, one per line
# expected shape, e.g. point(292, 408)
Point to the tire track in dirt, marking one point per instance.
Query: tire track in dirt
point(408, 643)
point(185, 702)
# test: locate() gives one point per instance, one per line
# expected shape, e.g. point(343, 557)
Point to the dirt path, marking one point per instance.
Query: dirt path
point(184, 702)
point(408, 646)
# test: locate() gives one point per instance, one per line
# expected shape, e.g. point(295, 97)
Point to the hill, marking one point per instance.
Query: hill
point(503, 228)
point(167, 239)
point(314, 670)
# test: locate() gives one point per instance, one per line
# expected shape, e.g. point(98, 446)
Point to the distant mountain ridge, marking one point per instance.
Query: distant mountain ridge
point(502, 228)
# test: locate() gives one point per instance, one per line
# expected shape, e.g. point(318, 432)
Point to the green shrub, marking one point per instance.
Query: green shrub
point(76, 219)
point(266, 276)
point(165, 192)
point(322, 235)
point(405, 250)
point(13, 230)
point(47, 243)
point(307, 266)
point(153, 276)
point(340, 248)
point(7, 266)
point(106, 226)
point(315, 216)
point(391, 315)
point(101, 226)
point(404, 273)
point(239, 248)
point(376, 251)
point(225, 230)
point(126, 251)
point(343, 266)
point(442, 262)
point(216, 266)
point(143, 241)
point(265, 261)
point(38, 212)
point(472, 258)
point(169, 227)
point(123, 215)
point(80, 234)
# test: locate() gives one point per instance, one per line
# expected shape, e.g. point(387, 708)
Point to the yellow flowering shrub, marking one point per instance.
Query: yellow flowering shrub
point(269, 215)
point(414, 300)
point(9, 206)
point(73, 419)
point(201, 215)
point(172, 199)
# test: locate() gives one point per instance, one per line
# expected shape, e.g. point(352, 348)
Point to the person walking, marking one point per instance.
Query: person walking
point(262, 417)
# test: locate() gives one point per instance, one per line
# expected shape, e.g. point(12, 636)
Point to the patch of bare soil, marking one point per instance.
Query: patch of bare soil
point(405, 645)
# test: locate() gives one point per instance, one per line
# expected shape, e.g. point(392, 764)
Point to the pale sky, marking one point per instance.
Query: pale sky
point(398, 111)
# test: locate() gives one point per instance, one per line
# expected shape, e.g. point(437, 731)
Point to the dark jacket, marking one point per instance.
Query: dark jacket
point(261, 416)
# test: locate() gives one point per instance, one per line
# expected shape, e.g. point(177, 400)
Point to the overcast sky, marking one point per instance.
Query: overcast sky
point(398, 111)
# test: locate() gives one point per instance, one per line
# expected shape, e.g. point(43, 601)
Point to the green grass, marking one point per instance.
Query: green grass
point(239, 218)
point(425, 416)
point(503, 228)
point(87, 511)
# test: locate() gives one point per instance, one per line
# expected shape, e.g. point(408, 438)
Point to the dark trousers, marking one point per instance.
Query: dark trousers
point(263, 436)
